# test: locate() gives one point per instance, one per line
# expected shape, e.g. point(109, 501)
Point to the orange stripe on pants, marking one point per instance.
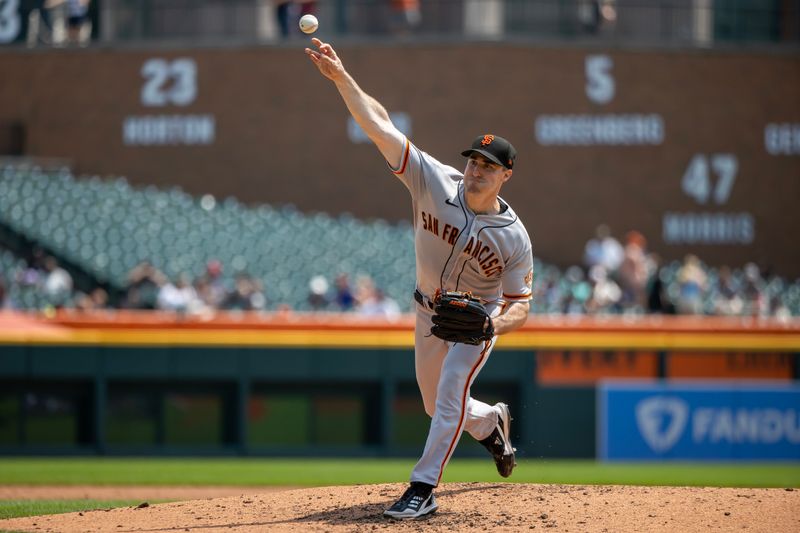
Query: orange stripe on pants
point(464, 395)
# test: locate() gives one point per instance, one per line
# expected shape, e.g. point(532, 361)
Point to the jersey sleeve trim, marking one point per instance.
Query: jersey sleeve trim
point(518, 297)
point(404, 161)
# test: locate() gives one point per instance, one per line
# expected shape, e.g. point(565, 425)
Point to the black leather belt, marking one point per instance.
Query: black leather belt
point(421, 300)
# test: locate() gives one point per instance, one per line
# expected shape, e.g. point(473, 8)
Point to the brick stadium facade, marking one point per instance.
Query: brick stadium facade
point(700, 151)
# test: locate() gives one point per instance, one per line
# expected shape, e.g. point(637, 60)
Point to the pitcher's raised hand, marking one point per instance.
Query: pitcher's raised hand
point(326, 60)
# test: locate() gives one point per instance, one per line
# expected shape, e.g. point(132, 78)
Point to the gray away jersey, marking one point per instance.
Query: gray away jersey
point(489, 255)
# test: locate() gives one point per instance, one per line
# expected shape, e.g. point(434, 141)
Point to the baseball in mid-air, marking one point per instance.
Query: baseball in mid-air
point(308, 23)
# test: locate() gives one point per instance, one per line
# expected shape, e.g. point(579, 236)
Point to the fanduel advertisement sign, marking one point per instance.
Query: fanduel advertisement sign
point(728, 421)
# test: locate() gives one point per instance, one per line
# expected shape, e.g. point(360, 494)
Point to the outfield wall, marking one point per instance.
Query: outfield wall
point(151, 383)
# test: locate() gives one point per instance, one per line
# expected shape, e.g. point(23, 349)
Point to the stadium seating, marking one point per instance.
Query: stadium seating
point(106, 227)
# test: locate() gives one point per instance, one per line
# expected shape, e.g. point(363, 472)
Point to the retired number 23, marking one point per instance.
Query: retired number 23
point(169, 82)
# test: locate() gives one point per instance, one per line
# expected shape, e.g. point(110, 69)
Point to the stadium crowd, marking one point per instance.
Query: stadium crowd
point(624, 278)
point(616, 278)
point(150, 289)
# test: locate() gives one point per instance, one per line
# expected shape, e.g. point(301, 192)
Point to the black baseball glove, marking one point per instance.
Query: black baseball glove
point(460, 317)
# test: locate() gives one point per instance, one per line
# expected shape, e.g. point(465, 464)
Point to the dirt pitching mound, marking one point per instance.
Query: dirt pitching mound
point(127, 492)
point(476, 507)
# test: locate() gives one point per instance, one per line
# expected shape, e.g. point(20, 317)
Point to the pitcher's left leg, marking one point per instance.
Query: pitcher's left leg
point(461, 366)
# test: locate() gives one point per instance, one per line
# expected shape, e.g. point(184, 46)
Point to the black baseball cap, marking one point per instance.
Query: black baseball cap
point(494, 148)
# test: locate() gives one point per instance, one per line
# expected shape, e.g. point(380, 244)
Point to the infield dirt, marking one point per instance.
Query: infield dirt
point(472, 507)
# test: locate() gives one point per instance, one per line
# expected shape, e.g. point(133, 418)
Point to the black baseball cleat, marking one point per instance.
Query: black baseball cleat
point(499, 443)
point(416, 501)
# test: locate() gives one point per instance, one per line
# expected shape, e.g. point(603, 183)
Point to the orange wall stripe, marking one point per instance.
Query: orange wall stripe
point(400, 338)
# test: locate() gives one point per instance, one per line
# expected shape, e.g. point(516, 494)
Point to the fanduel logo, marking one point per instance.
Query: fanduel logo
point(756, 426)
point(661, 421)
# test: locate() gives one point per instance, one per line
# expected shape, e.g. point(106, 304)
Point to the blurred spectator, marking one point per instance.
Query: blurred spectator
point(99, 298)
point(205, 300)
point(258, 297)
point(144, 283)
point(365, 289)
point(33, 272)
point(77, 17)
point(779, 309)
point(57, 281)
point(283, 10)
point(344, 298)
point(589, 15)
point(213, 285)
point(40, 23)
point(5, 299)
point(579, 293)
point(288, 13)
point(246, 295)
point(603, 250)
point(307, 7)
point(379, 304)
point(691, 286)
point(96, 299)
point(606, 294)
point(727, 300)
point(755, 301)
point(608, 12)
point(546, 293)
point(29, 276)
point(405, 17)
point(658, 300)
point(634, 272)
point(178, 296)
point(318, 293)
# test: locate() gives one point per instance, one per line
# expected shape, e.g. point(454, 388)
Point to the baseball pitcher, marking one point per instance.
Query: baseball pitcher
point(474, 276)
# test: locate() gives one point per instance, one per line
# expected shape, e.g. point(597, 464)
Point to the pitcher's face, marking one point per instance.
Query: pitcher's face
point(482, 175)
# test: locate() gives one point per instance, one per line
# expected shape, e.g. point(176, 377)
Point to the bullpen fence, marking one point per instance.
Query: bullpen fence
point(157, 384)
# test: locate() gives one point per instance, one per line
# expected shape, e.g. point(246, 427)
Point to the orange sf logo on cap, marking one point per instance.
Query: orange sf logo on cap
point(487, 139)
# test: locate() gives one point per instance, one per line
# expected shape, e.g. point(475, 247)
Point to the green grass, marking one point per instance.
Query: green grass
point(321, 472)
point(17, 508)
